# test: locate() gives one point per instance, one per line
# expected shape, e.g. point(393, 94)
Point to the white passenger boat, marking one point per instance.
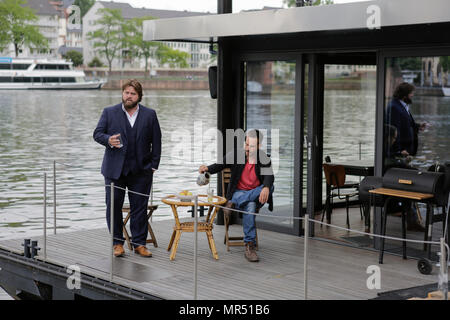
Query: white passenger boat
point(43, 74)
point(446, 91)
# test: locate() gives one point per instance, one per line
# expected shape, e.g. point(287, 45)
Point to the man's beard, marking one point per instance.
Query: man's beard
point(128, 105)
point(407, 100)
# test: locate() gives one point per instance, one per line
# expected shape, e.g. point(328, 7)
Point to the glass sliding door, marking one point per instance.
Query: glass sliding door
point(270, 100)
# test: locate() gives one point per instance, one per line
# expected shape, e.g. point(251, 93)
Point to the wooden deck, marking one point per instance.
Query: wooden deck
point(335, 271)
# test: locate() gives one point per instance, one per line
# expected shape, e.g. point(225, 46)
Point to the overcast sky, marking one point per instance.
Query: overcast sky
point(209, 5)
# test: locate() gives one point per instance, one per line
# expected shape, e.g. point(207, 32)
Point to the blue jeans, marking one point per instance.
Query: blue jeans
point(247, 200)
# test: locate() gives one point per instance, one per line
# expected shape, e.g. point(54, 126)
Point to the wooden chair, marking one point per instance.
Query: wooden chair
point(228, 240)
point(337, 188)
point(152, 239)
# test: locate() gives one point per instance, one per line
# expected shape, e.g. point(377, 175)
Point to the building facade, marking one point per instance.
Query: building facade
point(198, 52)
point(54, 26)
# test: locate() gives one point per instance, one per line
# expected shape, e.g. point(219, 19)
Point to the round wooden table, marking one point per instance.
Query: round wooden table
point(202, 226)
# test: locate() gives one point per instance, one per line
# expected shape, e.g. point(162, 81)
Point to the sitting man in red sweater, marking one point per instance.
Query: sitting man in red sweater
point(251, 185)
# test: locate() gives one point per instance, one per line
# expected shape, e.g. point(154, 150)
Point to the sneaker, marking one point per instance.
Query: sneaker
point(250, 252)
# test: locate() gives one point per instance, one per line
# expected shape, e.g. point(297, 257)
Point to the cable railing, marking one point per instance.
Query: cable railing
point(443, 246)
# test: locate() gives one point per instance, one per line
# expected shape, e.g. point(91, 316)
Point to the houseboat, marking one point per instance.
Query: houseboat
point(287, 52)
point(24, 74)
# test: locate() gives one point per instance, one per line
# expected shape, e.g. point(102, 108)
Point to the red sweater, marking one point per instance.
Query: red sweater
point(248, 180)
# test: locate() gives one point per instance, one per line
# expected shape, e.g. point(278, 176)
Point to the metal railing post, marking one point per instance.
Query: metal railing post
point(54, 196)
point(443, 273)
point(111, 223)
point(45, 215)
point(195, 245)
point(305, 257)
point(359, 150)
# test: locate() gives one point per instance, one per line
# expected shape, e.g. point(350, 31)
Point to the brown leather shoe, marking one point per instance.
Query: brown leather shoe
point(142, 251)
point(230, 205)
point(118, 250)
point(250, 253)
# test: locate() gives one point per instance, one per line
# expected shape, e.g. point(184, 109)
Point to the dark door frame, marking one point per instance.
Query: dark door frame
point(239, 60)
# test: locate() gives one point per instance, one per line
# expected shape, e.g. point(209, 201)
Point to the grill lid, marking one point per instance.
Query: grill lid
point(414, 180)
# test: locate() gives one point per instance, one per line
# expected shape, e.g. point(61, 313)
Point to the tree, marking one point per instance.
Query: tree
point(137, 45)
point(291, 3)
point(95, 63)
point(74, 56)
point(16, 26)
point(84, 5)
point(445, 62)
point(109, 37)
point(174, 58)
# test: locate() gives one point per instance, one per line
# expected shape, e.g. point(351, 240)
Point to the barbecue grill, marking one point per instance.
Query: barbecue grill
point(429, 186)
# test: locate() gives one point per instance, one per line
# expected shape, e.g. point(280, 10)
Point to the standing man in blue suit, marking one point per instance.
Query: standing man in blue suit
point(131, 135)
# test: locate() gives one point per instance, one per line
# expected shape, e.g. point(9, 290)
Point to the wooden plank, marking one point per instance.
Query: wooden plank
point(402, 194)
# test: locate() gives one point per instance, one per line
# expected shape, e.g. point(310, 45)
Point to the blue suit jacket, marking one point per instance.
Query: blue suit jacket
point(148, 140)
point(407, 128)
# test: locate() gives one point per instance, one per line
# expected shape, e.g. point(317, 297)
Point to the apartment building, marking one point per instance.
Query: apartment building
point(53, 24)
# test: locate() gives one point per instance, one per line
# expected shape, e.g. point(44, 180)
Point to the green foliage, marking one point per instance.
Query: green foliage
point(95, 63)
point(84, 5)
point(291, 3)
point(109, 37)
point(74, 56)
point(140, 48)
point(174, 58)
point(410, 63)
point(16, 28)
point(445, 62)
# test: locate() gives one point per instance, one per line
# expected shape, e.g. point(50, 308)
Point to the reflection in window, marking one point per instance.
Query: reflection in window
point(270, 106)
point(417, 112)
point(349, 112)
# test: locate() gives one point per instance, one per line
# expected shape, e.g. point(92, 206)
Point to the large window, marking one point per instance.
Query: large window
point(270, 105)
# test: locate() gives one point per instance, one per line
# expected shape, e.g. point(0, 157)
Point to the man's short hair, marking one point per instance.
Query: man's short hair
point(136, 85)
point(403, 90)
point(254, 133)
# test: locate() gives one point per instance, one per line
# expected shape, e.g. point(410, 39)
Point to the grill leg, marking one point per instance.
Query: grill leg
point(427, 227)
point(383, 228)
point(404, 232)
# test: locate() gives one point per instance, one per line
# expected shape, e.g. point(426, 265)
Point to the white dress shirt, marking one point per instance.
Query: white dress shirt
point(131, 119)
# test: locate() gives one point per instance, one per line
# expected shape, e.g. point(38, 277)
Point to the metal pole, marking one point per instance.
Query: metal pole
point(45, 215)
point(195, 245)
point(111, 224)
point(359, 150)
point(305, 257)
point(54, 196)
point(443, 275)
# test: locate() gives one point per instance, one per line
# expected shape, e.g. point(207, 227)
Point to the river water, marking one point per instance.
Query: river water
point(38, 127)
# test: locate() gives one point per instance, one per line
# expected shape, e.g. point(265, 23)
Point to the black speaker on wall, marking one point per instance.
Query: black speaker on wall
point(212, 76)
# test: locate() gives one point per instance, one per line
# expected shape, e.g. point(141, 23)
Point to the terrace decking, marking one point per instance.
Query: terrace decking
point(335, 271)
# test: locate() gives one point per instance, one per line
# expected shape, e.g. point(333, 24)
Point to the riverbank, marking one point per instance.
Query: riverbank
point(157, 84)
